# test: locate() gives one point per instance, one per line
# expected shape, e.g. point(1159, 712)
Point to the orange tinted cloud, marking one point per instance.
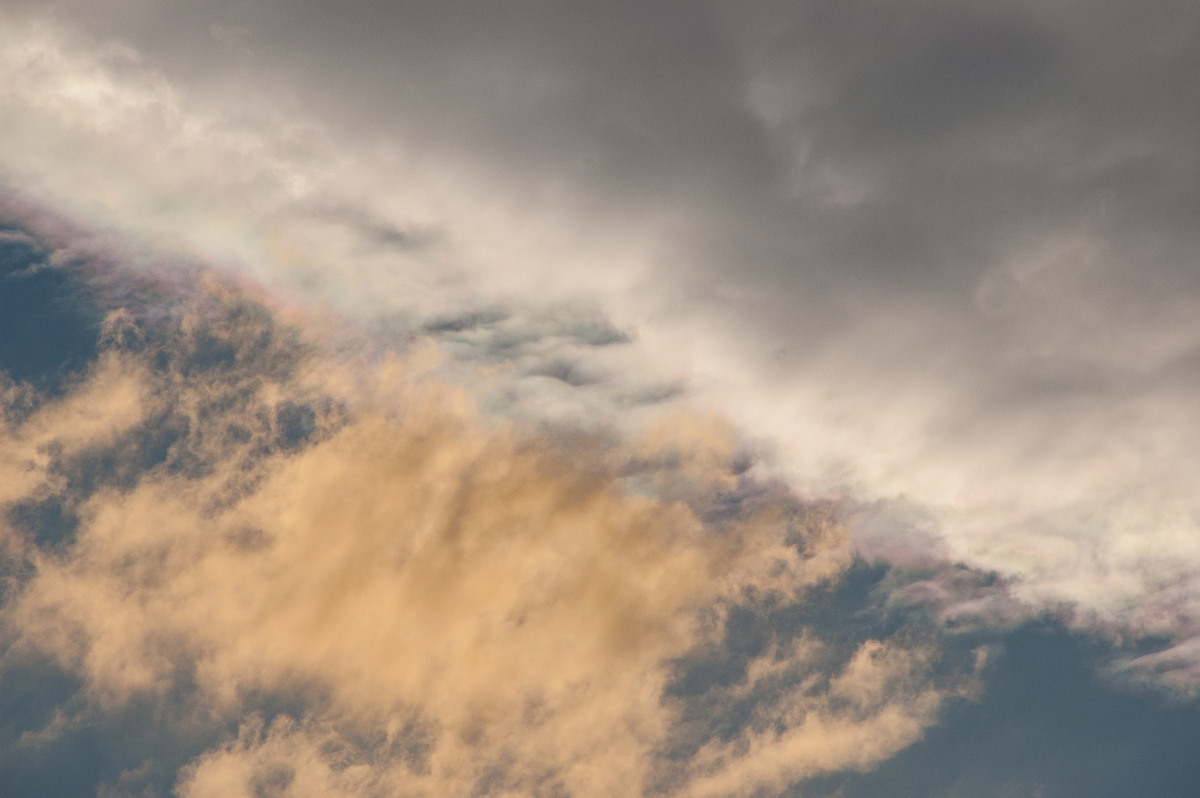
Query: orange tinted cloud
point(455, 602)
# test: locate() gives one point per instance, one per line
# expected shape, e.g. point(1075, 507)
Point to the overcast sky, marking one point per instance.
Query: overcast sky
point(693, 399)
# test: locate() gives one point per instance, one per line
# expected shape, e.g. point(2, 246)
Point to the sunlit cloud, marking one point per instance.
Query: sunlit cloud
point(586, 402)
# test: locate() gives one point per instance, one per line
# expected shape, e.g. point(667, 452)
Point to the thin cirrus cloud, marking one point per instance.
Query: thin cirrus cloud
point(933, 262)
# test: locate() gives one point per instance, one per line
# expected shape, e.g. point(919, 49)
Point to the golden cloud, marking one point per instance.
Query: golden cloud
point(490, 608)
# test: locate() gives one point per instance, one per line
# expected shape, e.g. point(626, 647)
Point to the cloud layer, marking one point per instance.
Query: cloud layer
point(497, 410)
point(383, 592)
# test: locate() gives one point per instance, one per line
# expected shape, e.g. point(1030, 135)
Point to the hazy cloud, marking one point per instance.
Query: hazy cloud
point(446, 602)
point(734, 325)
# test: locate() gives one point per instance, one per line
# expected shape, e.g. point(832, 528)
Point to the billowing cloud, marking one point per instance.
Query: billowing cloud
point(444, 602)
point(517, 399)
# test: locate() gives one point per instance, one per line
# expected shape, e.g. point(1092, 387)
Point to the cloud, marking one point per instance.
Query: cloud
point(931, 263)
point(880, 703)
point(446, 601)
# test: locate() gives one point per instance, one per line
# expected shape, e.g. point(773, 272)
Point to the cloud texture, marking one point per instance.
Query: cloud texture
point(455, 605)
point(545, 400)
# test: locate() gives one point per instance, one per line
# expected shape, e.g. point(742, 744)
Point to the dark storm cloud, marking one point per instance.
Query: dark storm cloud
point(932, 145)
point(921, 137)
point(612, 104)
point(826, 155)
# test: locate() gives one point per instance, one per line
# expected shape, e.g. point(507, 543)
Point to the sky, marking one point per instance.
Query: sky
point(587, 399)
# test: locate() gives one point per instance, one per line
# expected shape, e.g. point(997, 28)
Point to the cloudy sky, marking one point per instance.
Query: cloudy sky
point(600, 399)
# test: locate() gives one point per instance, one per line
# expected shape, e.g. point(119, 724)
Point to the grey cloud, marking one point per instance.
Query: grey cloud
point(934, 134)
point(968, 225)
point(374, 230)
point(598, 107)
point(966, 123)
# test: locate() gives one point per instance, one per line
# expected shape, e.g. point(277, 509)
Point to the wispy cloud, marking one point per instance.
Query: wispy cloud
point(448, 601)
point(520, 405)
